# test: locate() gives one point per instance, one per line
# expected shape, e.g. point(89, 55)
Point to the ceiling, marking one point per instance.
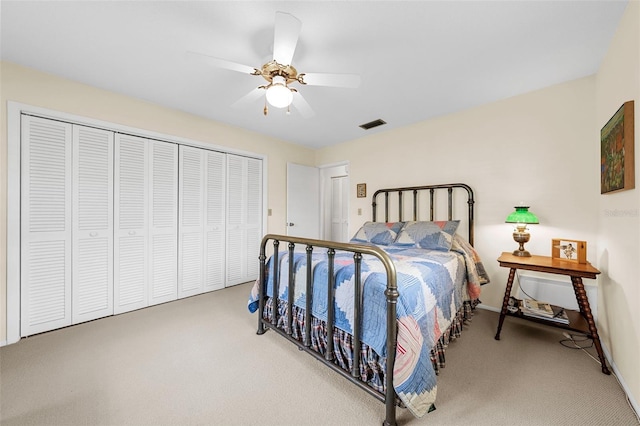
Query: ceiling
point(416, 59)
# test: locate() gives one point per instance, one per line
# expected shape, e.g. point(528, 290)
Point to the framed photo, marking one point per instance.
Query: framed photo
point(569, 250)
point(361, 190)
point(617, 169)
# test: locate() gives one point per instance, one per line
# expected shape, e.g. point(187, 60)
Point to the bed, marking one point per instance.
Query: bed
point(394, 296)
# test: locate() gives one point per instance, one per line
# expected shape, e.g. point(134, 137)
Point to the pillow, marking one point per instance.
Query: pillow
point(428, 235)
point(380, 233)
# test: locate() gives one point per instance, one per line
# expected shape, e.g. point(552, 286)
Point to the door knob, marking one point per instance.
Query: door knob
point(290, 224)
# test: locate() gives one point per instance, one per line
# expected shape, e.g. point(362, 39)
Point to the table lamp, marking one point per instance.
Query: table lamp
point(521, 217)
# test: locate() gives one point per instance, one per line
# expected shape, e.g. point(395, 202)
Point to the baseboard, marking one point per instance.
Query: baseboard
point(634, 404)
point(3, 343)
point(488, 308)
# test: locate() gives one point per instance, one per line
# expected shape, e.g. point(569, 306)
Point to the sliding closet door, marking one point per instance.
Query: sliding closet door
point(163, 222)
point(244, 218)
point(45, 225)
point(191, 235)
point(253, 224)
point(215, 256)
point(202, 221)
point(131, 216)
point(92, 218)
point(146, 234)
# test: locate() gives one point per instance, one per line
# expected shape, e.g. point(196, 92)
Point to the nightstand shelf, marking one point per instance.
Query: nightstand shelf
point(581, 321)
point(576, 321)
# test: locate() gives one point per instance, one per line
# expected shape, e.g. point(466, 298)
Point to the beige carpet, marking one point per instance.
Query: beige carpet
point(198, 361)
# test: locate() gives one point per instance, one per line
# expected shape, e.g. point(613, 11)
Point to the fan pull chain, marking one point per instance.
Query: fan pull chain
point(266, 109)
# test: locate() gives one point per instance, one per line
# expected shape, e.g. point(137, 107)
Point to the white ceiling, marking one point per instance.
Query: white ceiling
point(417, 59)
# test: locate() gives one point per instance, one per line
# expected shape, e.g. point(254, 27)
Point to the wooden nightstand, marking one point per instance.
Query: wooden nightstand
point(578, 321)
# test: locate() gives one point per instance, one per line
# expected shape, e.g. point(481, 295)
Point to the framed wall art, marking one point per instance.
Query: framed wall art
point(569, 250)
point(617, 170)
point(361, 190)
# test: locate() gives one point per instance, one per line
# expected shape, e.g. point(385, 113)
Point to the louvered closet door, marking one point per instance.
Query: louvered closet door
point(253, 217)
point(163, 221)
point(215, 257)
point(45, 293)
point(92, 235)
point(191, 271)
point(244, 218)
point(131, 217)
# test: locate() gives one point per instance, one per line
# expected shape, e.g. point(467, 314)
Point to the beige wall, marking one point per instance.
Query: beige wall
point(36, 89)
point(528, 148)
point(618, 255)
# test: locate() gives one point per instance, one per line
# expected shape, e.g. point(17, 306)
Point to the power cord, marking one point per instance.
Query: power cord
point(571, 338)
point(521, 289)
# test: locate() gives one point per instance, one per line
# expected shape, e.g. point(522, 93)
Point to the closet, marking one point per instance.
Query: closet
point(202, 211)
point(112, 222)
point(146, 228)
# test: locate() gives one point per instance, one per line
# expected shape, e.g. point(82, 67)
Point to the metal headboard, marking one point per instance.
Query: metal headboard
point(414, 190)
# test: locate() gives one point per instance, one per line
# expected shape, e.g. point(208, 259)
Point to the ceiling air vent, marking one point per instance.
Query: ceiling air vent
point(372, 124)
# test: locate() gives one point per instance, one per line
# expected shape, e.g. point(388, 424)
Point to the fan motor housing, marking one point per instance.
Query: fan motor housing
point(272, 69)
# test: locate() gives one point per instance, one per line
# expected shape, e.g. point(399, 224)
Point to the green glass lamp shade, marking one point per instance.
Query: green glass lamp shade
point(522, 215)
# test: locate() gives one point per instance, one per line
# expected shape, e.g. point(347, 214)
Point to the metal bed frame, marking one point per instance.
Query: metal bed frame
point(389, 397)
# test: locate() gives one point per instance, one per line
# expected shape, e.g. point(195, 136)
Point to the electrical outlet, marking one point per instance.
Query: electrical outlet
point(359, 212)
point(269, 212)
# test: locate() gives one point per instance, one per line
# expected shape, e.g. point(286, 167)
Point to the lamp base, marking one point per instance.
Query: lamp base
point(521, 236)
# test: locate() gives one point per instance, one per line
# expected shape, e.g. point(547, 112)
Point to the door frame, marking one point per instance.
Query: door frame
point(328, 171)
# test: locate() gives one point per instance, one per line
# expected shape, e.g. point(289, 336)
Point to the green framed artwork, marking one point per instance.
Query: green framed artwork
point(617, 171)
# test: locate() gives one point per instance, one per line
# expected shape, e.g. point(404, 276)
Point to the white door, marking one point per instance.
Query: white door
point(215, 200)
point(244, 218)
point(192, 232)
point(92, 224)
point(131, 217)
point(202, 221)
point(339, 208)
point(303, 201)
point(163, 222)
point(45, 292)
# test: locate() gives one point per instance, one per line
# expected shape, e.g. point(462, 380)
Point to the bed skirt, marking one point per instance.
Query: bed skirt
point(372, 365)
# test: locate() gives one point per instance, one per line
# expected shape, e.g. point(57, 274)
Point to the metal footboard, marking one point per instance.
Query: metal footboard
point(391, 292)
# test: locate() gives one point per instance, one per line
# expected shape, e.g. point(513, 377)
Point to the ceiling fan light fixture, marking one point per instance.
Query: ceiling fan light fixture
point(278, 94)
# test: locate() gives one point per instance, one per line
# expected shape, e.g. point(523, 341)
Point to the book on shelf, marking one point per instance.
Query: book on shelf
point(543, 310)
point(537, 307)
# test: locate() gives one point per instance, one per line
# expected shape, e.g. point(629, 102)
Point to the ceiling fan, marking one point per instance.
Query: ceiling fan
point(280, 74)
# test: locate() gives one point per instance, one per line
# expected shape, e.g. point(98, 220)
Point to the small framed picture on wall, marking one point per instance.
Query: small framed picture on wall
point(569, 250)
point(361, 190)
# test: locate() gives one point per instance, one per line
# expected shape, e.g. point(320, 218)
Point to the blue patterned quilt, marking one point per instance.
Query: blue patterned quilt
point(432, 287)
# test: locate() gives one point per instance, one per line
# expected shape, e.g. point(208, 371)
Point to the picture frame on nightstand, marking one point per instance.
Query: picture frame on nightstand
point(569, 250)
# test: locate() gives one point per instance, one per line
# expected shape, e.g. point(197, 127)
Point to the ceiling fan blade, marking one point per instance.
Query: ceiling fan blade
point(350, 81)
point(249, 98)
point(223, 63)
point(285, 39)
point(302, 106)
